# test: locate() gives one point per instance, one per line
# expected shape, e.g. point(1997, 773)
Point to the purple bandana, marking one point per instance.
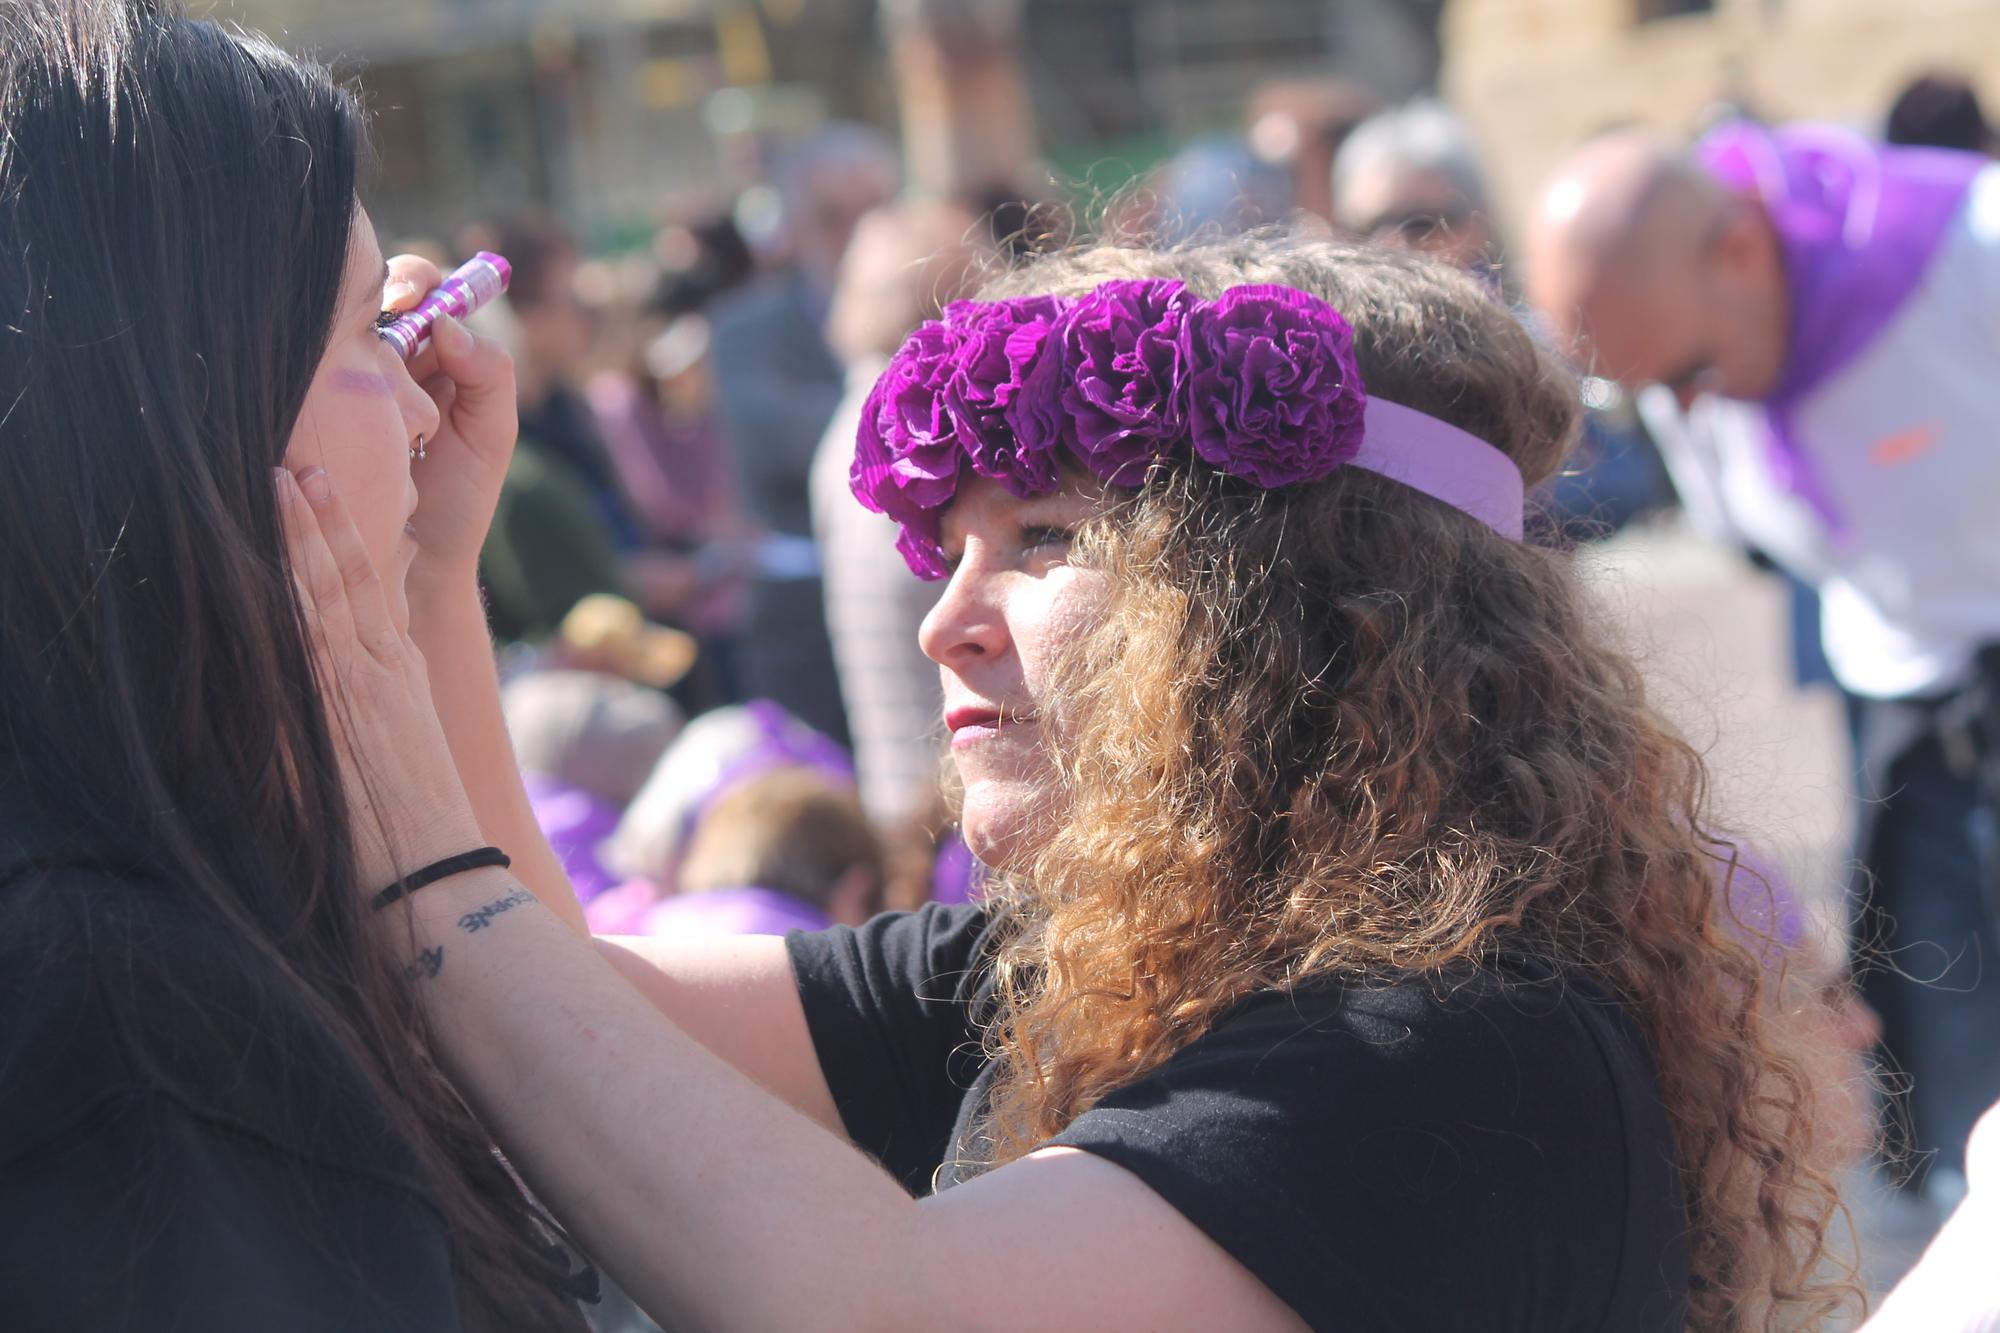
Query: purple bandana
point(1260, 383)
point(1859, 224)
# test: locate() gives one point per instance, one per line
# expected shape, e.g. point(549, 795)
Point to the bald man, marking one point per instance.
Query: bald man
point(1851, 293)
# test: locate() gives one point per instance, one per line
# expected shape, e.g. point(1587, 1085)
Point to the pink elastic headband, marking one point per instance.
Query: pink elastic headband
point(1260, 383)
point(1443, 462)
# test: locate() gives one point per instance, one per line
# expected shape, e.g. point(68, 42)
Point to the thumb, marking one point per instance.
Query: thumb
point(479, 366)
point(474, 385)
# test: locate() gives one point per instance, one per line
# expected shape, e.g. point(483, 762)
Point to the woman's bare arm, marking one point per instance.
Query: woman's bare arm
point(736, 997)
point(718, 1205)
point(458, 651)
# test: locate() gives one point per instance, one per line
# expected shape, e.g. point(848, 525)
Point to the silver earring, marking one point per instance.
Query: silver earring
point(417, 454)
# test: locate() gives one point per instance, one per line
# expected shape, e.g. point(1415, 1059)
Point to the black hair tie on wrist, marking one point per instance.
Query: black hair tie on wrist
point(476, 859)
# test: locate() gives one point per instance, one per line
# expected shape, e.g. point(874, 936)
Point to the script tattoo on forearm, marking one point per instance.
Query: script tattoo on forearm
point(428, 964)
point(480, 918)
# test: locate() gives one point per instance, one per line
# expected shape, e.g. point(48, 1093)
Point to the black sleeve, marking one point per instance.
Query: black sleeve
point(890, 1008)
point(1388, 1160)
point(144, 1216)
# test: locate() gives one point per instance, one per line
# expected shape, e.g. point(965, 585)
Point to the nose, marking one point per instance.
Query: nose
point(420, 410)
point(966, 625)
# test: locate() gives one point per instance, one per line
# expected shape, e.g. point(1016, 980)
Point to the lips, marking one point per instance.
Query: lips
point(970, 723)
point(956, 719)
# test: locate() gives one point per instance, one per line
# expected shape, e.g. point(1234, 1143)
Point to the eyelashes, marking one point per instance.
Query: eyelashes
point(1032, 539)
point(388, 317)
point(1037, 537)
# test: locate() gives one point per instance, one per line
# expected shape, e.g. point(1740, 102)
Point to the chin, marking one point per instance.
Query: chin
point(397, 586)
point(1004, 824)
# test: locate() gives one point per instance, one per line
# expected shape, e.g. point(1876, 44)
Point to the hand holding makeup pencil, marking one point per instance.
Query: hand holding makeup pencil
point(471, 378)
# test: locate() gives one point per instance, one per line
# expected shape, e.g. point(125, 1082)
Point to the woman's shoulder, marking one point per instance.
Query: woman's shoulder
point(1493, 1132)
point(117, 990)
point(1471, 1037)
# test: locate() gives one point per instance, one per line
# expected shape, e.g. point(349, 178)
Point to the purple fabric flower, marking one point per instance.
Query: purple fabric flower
point(906, 449)
point(1261, 382)
point(1009, 432)
point(1277, 394)
point(1125, 359)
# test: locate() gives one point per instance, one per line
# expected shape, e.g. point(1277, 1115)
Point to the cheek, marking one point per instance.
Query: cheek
point(358, 439)
point(1073, 604)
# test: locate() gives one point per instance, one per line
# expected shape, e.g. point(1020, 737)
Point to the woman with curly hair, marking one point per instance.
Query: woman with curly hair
point(1356, 955)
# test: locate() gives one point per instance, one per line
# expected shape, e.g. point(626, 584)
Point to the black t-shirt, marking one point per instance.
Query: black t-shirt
point(1482, 1151)
point(181, 1144)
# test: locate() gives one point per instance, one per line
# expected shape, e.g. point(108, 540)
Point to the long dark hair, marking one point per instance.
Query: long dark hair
point(176, 207)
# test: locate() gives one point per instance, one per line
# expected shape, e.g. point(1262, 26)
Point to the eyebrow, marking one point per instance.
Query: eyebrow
point(375, 301)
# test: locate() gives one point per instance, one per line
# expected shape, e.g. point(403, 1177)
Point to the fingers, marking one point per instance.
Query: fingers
point(480, 367)
point(315, 575)
point(473, 388)
point(410, 277)
point(365, 603)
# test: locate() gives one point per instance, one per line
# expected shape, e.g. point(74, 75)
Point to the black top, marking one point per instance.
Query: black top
point(181, 1144)
point(1486, 1151)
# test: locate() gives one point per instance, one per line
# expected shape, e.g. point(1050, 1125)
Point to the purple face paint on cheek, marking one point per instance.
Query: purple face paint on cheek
point(366, 383)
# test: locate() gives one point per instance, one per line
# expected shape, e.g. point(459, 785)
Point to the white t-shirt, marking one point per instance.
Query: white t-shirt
point(1906, 442)
point(1955, 1287)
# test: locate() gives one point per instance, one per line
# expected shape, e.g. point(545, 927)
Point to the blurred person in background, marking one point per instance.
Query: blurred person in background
point(1410, 176)
point(713, 755)
point(1296, 126)
point(787, 849)
point(1213, 185)
point(1274, 170)
point(565, 529)
point(586, 743)
point(1940, 110)
point(656, 404)
point(906, 262)
point(702, 258)
point(1843, 286)
point(777, 385)
point(658, 421)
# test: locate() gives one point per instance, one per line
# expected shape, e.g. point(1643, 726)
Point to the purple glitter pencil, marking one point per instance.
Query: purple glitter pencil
point(474, 283)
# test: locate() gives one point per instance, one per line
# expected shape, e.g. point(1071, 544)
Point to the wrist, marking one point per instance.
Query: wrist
point(466, 905)
point(438, 588)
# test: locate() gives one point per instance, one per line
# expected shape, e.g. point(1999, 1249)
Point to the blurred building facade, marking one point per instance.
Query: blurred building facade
point(1535, 77)
point(598, 110)
point(594, 110)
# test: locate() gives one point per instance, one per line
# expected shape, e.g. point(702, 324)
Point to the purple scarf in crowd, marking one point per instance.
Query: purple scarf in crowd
point(715, 913)
point(1859, 224)
point(575, 822)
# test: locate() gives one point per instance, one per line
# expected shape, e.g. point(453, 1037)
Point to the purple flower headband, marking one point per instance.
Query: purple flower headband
point(1260, 383)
